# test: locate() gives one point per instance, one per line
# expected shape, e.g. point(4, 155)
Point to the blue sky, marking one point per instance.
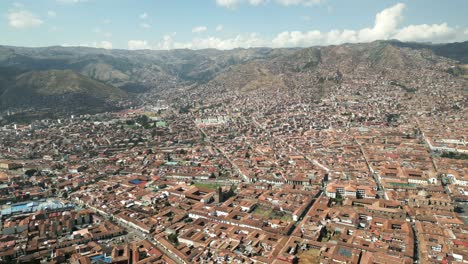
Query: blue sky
point(227, 24)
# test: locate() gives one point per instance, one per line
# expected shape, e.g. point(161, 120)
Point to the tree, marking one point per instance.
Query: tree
point(143, 120)
point(173, 239)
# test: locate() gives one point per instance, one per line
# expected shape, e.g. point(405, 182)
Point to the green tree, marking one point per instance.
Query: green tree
point(173, 239)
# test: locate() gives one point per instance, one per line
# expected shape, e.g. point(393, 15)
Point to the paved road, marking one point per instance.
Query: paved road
point(134, 234)
point(247, 179)
point(376, 177)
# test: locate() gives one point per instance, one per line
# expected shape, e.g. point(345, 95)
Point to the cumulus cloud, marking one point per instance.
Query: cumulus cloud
point(257, 2)
point(104, 45)
point(228, 3)
point(199, 29)
point(386, 26)
point(244, 41)
point(168, 43)
point(219, 28)
point(434, 32)
point(23, 19)
point(138, 44)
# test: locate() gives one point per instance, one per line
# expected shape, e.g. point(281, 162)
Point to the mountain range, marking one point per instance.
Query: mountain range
point(82, 79)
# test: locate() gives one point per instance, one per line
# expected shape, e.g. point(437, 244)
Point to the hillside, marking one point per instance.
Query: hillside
point(327, 66)
point(61, 90)
point(93, 80)
point(147, 68)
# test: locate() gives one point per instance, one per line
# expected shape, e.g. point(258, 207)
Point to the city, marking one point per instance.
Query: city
point(339, 147)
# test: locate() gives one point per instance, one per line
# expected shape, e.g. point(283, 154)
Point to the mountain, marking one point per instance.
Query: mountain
point(61, 90)
point(328, 65)
point(80, 78)
point(123, 68)
point(456, 51)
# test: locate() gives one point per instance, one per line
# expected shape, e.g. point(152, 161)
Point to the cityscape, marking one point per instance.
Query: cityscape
point(353, 152)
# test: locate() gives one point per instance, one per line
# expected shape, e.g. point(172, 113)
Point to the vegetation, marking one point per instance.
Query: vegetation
point(391, 118)
point(144, 121)
point(453, 155)
point(271, 213)
point(173, 238)
point(185, 109)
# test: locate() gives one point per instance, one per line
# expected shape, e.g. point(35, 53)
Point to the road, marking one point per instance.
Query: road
point(134, 234)
point(236, 168)
point(380, 188)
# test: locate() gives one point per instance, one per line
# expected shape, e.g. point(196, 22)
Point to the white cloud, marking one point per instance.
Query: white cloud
point(145, 25)
point(104, 45)
point(199, 29)
point(138, 44)
point(296, 38)
point(435, 33)
point(144, 16)
point(386, 26)
point(219, 28)
point(257, 2)
point(228, 3)
point(23, 19)
point(51, 13)
point(168, 43)
point(244, 41)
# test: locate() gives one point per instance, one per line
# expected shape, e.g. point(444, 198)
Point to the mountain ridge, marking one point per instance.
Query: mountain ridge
point(159, 72)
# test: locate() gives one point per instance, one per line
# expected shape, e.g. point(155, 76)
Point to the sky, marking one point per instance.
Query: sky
point(227, 24)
